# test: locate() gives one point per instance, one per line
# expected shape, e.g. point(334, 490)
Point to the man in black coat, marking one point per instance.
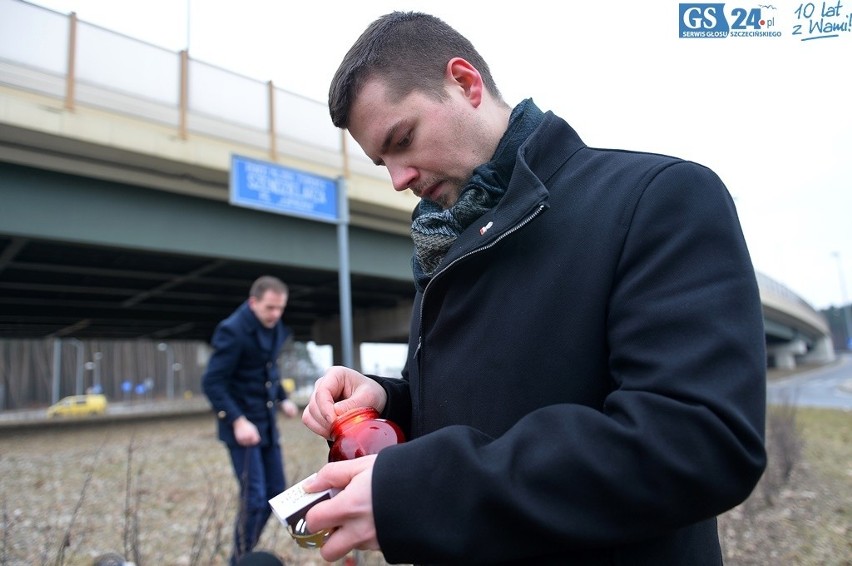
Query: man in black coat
point(585, 381)
point(243, 385)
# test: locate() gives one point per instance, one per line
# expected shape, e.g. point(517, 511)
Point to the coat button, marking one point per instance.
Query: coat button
point(268, 384)
point(221, 414)
point(269, 404)
point(269, 364)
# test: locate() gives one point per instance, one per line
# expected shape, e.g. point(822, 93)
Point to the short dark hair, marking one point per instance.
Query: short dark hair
point(266, 283)
point(410, 51)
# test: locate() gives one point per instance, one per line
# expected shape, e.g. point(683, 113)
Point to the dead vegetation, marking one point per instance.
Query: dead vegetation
point(801, 511)
point(163, 493)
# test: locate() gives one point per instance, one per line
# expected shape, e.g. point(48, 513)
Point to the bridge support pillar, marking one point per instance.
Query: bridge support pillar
point(373, 325)
point(784, 355)
point(328, 333)
point(822, 351)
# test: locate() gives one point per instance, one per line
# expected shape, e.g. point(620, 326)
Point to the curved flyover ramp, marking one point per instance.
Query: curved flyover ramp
point(795, 331)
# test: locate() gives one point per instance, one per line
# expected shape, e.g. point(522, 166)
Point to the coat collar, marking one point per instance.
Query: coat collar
point(543, 154)
point(252, 327)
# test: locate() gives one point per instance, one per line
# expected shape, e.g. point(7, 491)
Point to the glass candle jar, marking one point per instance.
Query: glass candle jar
point(359, 432)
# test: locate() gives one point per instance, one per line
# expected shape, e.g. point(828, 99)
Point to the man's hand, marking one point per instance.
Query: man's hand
point(339, 390)
point(349, 514)
point(289, 408)
point(245, 432)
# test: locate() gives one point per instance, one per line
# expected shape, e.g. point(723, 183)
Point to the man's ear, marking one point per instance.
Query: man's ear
point(461, 74)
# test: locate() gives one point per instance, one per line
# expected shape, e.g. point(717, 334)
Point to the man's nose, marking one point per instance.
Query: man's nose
point(402, 176)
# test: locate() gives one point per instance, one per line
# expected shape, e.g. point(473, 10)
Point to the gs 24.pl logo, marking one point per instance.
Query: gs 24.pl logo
point(712, 21)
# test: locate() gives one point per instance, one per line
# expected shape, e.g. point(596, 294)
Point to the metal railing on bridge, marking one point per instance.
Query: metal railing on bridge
point(82, 63)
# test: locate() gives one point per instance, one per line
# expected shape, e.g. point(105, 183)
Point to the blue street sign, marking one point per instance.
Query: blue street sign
point(273, 188)
point(268, 186)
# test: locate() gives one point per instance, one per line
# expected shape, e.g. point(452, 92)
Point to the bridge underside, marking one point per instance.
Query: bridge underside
point(89, 258)
point(86, 258)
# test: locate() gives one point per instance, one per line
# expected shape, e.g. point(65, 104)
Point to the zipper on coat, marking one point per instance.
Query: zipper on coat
point(510, 231)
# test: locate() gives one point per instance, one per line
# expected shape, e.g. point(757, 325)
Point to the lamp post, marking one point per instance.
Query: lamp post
point(78, 387)
point(847, 319)
point(95, 366)
point(188, 19)
point(170, 369)
point(97, 385)
point(177, 367)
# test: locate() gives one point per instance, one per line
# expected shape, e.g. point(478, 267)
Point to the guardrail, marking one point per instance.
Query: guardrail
point(17, 421)
point(82, 63)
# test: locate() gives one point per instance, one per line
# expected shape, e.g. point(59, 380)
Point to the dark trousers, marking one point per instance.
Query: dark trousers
point(260, 472)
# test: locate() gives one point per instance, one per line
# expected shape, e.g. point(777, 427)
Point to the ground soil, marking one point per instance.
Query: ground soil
point(162, 493)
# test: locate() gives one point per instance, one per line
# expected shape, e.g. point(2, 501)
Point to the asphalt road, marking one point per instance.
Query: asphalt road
point(116, 411)
point(827, 387)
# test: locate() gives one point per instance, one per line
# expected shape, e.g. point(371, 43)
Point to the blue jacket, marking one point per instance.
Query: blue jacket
point(586, 373)
point(242, 377)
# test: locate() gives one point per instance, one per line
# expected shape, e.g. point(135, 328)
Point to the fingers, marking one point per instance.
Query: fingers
point(356, 535)
point(289, 408)
point(248, 439)
point(331, 396)
point(319, 414)
point(328, 388)
point(245, 432)
point(349, 514)
point(339, 475)
point(339, 390)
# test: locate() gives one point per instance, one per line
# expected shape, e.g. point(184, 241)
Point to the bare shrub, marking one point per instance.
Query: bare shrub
point(739, 533)
point(132, 503)
point(4, 540)
point(784, 445)
point(209, 532)
point(65, 540)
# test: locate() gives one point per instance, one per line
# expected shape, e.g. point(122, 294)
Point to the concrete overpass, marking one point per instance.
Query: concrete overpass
point(115, 222)
point(114, 172)
point(794, 330)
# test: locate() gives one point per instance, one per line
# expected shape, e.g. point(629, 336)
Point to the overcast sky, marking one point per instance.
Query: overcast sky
point(770, 115)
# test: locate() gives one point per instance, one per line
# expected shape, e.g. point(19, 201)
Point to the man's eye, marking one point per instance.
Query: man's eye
point(405, 141)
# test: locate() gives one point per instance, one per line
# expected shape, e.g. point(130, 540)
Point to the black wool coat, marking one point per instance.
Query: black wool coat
point(242, 376)
point(586, 372)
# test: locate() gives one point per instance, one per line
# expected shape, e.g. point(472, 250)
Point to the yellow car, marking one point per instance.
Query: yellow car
point(78, 405)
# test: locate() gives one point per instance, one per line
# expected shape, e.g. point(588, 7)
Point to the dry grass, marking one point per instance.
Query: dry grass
point(806, 520)
point(177, 511)
point(64, 497)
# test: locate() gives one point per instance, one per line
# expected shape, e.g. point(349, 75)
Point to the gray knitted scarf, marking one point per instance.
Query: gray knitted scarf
point(434, 229)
